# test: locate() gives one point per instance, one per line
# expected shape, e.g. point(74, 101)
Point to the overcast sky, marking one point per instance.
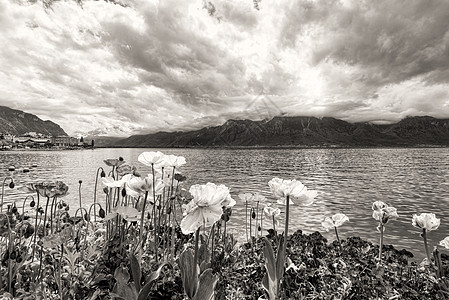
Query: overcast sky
point(180, 65)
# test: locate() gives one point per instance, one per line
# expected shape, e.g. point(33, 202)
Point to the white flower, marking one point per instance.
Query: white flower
point(271, 211)
point(291, 265)
point(383, 213)
point(112, 183)
point(151, 158)
point(138, 186)
point(258, 197)
point(172, 161)
point(292, 188)
point(247, 197)
point(445, 242)
point(336, 221)
point(426, 221)
point(206, 206)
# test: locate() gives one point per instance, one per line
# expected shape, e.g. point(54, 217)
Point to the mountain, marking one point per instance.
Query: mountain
point(301, 132)
point(17, 122)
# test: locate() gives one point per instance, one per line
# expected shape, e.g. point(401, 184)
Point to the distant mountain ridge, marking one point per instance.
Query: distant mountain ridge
point(301, 132)
point(17, 122)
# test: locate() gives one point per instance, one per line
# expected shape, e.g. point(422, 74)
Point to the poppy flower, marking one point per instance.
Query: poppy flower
point(383, 213)
point(113, 162)
point(426, 221)
point(172, 161)
point(336, 221)
point(52, 189)
point(206, 206)
point(445, 242)
point(151, 158)
point(112, 183)
point(137, 186)
point(293, 189)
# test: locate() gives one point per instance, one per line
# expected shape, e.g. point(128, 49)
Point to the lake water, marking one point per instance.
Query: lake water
point(348, 181)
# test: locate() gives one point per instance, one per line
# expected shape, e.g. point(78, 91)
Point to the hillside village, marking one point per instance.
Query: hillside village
point(34, 140)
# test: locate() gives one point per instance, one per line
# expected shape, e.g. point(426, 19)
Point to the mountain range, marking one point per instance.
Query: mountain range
point(280, 131)
point(17, 122)
point(301, 132)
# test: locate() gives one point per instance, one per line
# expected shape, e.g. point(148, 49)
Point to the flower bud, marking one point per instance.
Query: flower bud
point(102, 174)
point(32, 203)
point(101, 213)
point(123, 192)
point(11, 185)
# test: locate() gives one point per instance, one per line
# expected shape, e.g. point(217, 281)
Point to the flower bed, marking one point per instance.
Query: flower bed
point(152, 239)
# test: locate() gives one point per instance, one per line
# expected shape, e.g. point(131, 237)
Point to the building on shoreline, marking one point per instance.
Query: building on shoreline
point(38, 140)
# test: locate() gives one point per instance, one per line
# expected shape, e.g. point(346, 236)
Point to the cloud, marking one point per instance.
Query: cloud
point(170, 65)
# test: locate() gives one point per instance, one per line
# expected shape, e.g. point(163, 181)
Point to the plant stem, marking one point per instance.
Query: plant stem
point(287, 214)
point(424, 236)
point(246, 219)
point(338, 239)
point(195, 257)
point(381, 240)
point(35, 227)
point(141, 227)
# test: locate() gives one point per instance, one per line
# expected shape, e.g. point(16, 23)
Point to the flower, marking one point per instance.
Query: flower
point(112, 183)
point(383, 213)
point(52, 189)
point(259, 198)
point(271, 211)
point(112, 162)
point(126, 169)
point(137, 186)
point(336, 221)
point(426, 221)
point(293, 189)
point(206, 206)
point(378, 205)
point(173, 161)
point(151, 158)
point(128, 213)
point(246, 197)
point(445, 242)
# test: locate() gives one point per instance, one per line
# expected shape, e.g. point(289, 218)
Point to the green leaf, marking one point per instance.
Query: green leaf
point(135, 270)
point(206, 287)
point(189, 272)
point(147, 287)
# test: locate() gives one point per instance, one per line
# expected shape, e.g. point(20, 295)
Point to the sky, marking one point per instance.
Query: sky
point(142, 66)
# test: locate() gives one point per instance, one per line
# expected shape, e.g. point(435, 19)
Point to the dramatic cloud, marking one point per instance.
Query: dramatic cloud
point(178, 65)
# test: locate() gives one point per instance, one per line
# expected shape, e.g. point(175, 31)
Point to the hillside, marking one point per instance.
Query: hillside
point(301, 132)
point(17, 122)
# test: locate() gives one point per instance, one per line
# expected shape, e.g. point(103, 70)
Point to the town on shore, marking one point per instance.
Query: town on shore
point(34, 140)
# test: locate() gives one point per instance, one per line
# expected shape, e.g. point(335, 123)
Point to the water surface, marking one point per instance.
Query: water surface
point(348, 181)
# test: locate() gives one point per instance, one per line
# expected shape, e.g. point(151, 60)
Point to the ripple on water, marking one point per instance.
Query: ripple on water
point(348, 181)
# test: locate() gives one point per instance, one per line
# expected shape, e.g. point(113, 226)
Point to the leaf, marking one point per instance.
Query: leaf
point(122, 287)
point(147, 288)
point(270, 281)
point(280, 260)
point(206, 287)
point(71, 257)
point(189, 272)
point(136, 271)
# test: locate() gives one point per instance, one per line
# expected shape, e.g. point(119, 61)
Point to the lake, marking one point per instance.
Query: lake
point(348, 181)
